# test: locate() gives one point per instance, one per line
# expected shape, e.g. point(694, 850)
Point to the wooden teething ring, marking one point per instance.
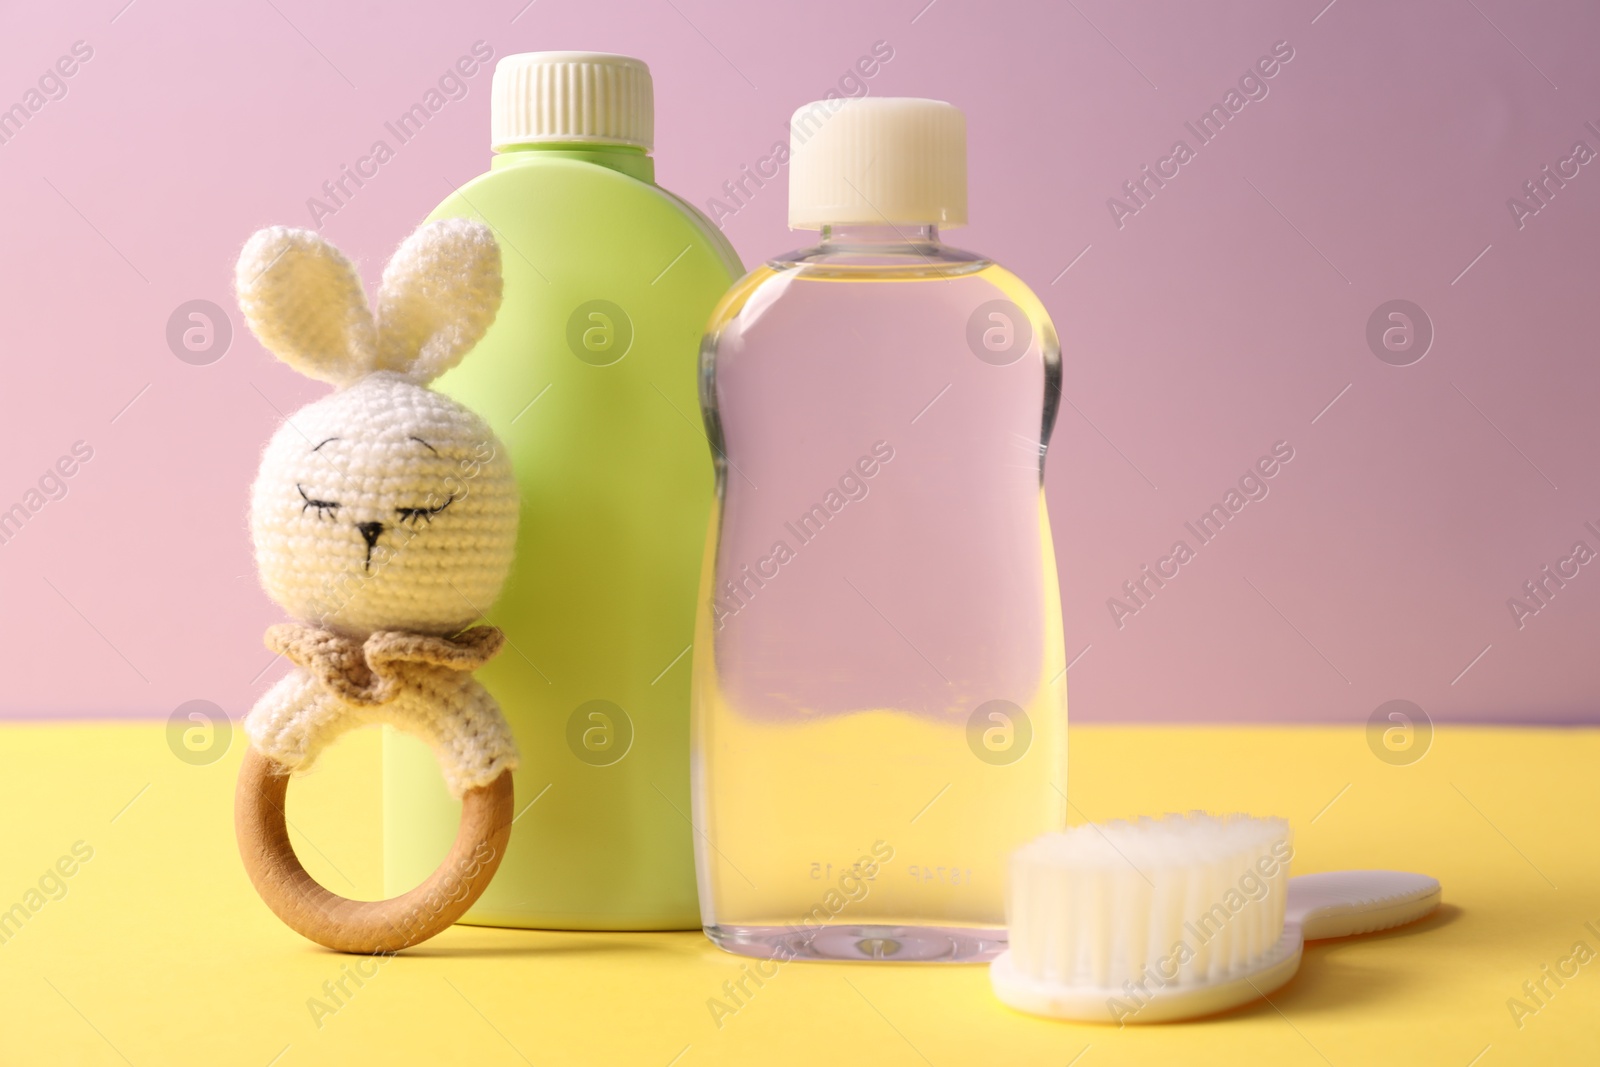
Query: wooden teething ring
point(365, 926)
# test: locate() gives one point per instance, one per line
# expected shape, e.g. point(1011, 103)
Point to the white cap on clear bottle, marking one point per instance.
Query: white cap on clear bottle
point(573, 98)
point(876, 161)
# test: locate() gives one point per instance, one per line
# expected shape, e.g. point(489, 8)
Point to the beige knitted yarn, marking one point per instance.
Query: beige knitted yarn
point(384, 515)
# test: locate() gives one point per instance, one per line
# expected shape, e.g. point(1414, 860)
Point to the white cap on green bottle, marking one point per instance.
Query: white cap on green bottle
point(876, 161)
point(573, 98)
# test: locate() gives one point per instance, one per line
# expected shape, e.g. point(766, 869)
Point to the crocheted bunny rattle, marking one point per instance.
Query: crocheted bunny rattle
point(384, 518)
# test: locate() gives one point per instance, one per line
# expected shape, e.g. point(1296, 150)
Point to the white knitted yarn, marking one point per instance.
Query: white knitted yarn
point(303, 300)
point(452, 712)
point(384, 506)
point(370, 452)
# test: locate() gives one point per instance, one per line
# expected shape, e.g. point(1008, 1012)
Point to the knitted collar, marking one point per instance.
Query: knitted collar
point(372, 671)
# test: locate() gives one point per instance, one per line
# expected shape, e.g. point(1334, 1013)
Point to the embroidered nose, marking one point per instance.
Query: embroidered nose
point(369, 532)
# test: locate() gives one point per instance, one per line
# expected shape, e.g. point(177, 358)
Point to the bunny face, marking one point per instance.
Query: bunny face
point(384, 506)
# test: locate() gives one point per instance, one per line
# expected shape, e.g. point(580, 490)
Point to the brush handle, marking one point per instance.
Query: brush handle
point(1344, 903)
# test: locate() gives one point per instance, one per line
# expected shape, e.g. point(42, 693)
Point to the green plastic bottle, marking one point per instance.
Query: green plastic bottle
point(589, 377)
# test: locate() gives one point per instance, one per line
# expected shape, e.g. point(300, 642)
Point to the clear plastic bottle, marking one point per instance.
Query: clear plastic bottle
point(879, 704)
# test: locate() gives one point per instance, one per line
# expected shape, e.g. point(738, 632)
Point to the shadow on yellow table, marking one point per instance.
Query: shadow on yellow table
point(130, 935)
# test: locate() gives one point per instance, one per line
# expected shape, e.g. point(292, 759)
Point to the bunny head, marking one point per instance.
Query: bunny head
point(384, 505)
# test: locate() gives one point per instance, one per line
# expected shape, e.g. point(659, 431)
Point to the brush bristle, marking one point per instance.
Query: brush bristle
point(1177, 900)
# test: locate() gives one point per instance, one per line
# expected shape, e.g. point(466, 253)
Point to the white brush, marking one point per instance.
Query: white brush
point(1176, 917)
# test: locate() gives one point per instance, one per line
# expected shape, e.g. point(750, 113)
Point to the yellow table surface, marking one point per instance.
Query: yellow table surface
point(158, 951)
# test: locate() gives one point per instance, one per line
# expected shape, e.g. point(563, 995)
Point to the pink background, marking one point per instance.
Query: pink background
point(1223, 317)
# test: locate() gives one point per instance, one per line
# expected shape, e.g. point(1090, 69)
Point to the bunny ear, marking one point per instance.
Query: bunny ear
point(440, 292)
point(304, 301)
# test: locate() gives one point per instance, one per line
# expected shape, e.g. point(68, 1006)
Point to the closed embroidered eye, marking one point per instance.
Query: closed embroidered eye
point(414, 514)
point(324, 507)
